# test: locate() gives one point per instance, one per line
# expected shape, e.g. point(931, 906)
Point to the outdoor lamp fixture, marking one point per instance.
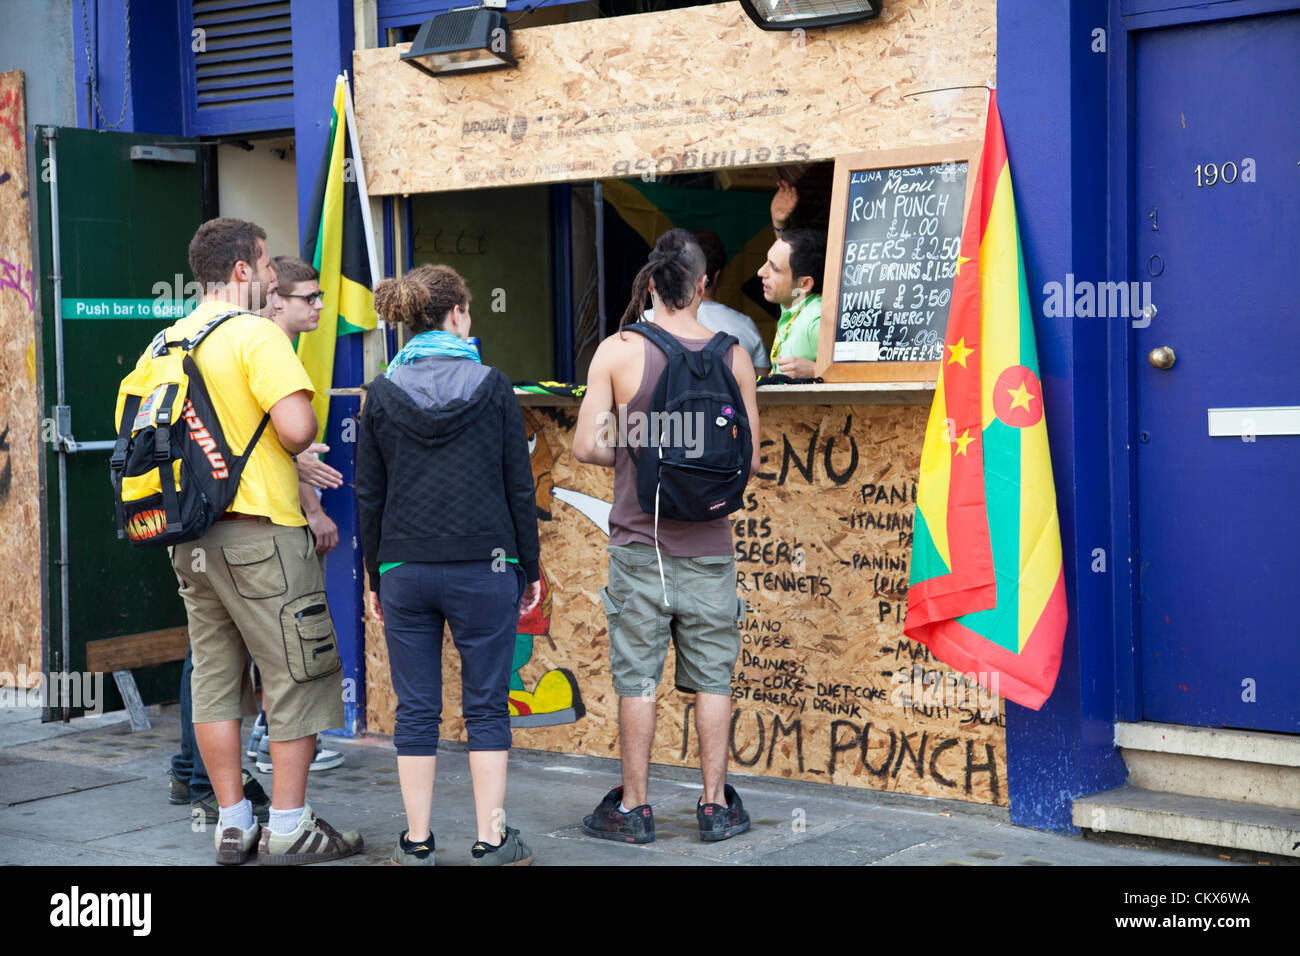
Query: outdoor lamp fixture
point(466, 40)
point(805, 14)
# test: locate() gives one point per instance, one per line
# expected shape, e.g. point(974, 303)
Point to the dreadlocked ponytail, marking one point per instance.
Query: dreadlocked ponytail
point(675, 266)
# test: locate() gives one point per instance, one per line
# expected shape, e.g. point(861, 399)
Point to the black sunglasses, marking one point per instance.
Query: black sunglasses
point(309, 298)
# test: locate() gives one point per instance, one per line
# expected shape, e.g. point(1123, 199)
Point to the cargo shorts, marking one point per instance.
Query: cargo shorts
point(701, 619)
point(255, 588)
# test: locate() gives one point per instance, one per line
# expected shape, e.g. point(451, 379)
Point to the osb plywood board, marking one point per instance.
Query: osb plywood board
point(826, 687)
point(20, 508)
point(680, 90)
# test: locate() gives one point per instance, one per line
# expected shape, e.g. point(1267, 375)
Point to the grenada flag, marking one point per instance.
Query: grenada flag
point(338, 242)
point(987, 592)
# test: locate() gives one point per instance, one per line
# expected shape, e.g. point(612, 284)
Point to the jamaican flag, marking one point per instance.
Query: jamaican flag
point(987, 590)
point(636, 213)
point(338, 243)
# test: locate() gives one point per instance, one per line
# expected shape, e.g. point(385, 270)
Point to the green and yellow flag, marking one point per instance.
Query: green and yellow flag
point(987, 591)
point(338, 243)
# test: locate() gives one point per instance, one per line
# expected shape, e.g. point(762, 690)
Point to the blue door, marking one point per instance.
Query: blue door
point(1217, 225)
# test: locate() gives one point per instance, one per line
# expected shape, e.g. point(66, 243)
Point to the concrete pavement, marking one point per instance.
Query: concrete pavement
point(93, 793)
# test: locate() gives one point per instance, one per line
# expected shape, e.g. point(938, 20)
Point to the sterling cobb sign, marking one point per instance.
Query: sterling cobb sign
point(612, 98)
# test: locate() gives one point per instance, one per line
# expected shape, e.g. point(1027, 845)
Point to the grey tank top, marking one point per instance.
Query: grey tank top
point(627, 522)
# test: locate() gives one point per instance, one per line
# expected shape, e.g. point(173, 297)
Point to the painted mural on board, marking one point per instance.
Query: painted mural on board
point(556, 697)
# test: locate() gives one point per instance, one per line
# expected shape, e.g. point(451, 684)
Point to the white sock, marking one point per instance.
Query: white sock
point(622, 809)
point(240, 815)
point(284, 821)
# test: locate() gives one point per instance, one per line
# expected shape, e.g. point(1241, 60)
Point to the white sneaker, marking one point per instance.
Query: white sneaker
point(312, 841)
point(256, 735)
point(325, 759)
point(235, 846)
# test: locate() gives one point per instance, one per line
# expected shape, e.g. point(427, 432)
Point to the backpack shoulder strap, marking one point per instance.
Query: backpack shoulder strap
point(667, 344)
point(117, 462)
point(160, 344)
point(720, 346)
point(208, 327)
point(699, 362)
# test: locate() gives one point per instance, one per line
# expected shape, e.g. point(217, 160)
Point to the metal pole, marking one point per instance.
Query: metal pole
point(50, 135)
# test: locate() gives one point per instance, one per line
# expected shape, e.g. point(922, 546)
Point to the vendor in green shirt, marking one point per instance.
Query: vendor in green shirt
point(792, 278)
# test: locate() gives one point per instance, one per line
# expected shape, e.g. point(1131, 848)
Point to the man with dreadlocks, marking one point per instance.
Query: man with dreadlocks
point(697, 558)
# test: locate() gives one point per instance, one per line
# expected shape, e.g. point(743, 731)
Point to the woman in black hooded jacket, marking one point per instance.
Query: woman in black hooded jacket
point(449, 530)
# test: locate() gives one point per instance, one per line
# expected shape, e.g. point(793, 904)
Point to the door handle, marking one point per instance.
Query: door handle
point(1162, 357)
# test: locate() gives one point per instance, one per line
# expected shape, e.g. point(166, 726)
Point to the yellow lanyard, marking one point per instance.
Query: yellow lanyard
point(785, 332)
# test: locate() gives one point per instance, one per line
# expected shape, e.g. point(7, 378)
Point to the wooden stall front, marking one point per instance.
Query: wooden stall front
point(827, 688)
point(20, 418)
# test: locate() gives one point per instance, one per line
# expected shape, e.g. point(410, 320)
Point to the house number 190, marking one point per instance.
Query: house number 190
point(1207, 174)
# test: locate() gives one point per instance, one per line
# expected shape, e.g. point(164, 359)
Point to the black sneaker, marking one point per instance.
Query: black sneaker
point(607, 822)
point(719, 822)
point(205, 805)
point(178, 791)
point(407, 853)
point(205, 802)
point(255, 795)
point(512, 851)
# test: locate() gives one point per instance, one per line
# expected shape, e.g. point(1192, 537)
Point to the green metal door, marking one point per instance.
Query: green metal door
point(124, 228)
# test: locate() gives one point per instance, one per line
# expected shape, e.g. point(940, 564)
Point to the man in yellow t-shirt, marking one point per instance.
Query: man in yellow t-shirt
point(252, 584)
point(247, 371)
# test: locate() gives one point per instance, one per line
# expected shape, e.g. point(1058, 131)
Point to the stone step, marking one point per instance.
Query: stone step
point(1251, 746)
point(1261, 769)
point(1192, 819)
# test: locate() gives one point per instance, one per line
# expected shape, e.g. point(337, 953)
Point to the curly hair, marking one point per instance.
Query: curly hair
point(421, 299)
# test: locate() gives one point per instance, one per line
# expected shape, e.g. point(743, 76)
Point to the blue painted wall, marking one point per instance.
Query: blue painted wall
point(1052, 94)
point(344, 579)
point(325, 27)
point(155, 103)
point(161, 98)
point(400, 13)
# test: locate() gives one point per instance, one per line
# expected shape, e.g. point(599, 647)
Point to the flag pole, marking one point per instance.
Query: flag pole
point(365, 198)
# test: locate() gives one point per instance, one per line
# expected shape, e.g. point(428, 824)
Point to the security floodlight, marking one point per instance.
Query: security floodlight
point(808, 14)
point(462, 41)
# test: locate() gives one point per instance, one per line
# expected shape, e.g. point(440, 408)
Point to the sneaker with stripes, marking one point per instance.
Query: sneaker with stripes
point(312, 841)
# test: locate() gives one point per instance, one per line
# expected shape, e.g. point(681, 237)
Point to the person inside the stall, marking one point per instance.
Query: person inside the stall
point(792, 278)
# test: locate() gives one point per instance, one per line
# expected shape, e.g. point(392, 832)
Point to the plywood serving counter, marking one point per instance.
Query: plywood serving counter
point(826, 688)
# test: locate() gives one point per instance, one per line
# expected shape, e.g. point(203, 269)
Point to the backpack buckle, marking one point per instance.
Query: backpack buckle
point(162, 446)
point(118, 460)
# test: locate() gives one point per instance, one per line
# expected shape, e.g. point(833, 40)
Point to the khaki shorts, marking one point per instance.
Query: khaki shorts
point(701, 620)
point(253, 587)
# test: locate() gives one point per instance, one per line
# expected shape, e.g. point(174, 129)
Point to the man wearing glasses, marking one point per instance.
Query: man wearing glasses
point(294, 305)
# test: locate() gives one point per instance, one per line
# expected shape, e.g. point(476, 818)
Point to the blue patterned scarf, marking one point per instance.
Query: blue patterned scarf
point(433, 342)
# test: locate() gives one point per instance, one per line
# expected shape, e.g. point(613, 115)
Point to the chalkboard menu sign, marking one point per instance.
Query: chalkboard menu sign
point(891, 257)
